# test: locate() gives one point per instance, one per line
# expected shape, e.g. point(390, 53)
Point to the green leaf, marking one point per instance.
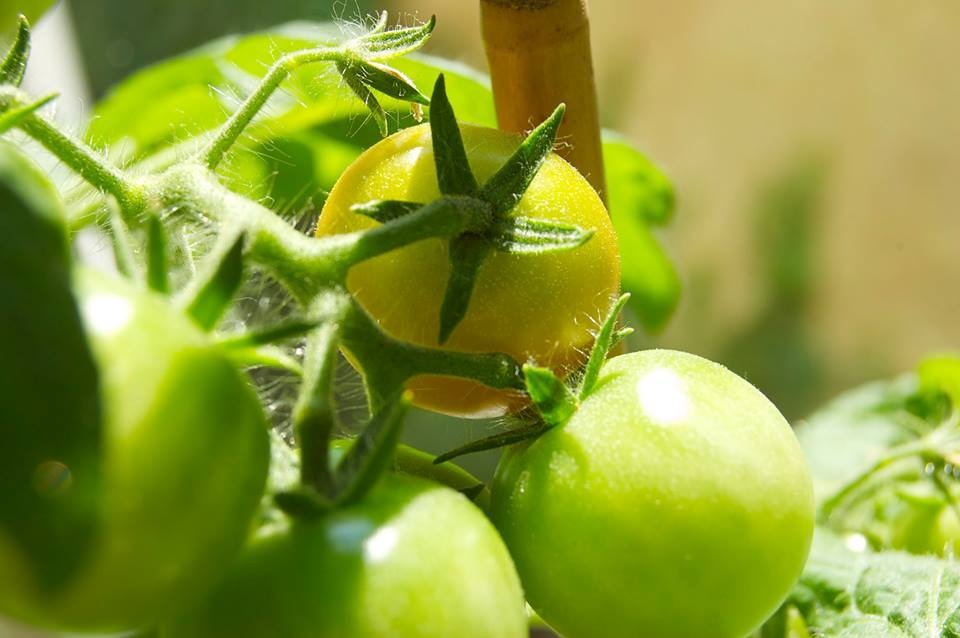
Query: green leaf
point(216, 288)
point(454, 176)
point(50, 413)
point(293, 153)
point(640, 197)
point(508, 184)
point(855, 430)
point(270, 334)
point(850, 594)
point(523, 235)
point(373, 452)
point(467, 253)
point(552, 398)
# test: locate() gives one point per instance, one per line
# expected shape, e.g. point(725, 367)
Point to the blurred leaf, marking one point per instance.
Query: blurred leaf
point(217, 287)
point(640, 197)
point(855, 430)
point(297, 153)
point(941, 374)
point(847, 594)
point(50, 415)
point(118, 37)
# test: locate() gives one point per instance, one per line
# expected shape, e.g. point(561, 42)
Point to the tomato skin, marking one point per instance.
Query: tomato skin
point(675, 503)
point(532, 307)
point(184, 464)
point(414, 559)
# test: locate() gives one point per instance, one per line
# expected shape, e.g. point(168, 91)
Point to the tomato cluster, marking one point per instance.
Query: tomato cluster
point(653, 493)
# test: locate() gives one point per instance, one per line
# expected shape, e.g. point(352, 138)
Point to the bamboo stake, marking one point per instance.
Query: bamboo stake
point(539, 56)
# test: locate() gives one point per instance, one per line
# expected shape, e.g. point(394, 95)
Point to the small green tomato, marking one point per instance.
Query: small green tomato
point(675, 503)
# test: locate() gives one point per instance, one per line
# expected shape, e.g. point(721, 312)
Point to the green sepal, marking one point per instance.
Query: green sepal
point(607, 337)
point(157, 256)
point(501, 439)
point(386, 210)
point(14, 64)
point(467, 253)
point(381, 24)
point(379, 44)
point(550, 396)
point(508, 184)
point(387, 80)
point(372, 453)
point(454, 176)
point(265, 357)
point(12, 118)
point(268, 335)
point(213, 296)
point(524, 235)
point(303, 503)
point(122, 245)
point(368, 99)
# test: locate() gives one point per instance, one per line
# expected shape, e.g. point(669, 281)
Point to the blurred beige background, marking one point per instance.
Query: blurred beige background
point(732, 97)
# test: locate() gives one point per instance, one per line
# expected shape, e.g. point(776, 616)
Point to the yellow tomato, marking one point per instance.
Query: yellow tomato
point(539, 308)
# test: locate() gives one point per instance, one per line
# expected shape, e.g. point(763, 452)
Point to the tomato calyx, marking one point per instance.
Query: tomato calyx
point(484, 210)
point(554, 402)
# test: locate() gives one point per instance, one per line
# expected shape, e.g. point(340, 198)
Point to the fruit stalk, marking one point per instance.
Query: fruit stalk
point(539, 56)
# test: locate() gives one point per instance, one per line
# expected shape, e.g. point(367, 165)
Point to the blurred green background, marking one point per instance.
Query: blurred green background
point(814, 148)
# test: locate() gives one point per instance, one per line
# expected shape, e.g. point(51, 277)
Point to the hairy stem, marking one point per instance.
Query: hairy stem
point(85, 161)
point(281, 69)
point(304, 264)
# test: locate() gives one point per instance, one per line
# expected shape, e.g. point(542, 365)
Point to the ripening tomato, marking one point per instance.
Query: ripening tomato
point(675, 503)
point(538, 308)
point(412, 559)
point(185, 455)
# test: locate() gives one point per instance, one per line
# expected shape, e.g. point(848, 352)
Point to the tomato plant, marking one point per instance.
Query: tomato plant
point(532, 307)
point(412, 559)
point(676, 490)
point(458, 267)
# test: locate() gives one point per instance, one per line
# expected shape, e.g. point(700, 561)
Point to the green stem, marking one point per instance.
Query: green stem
point(304, 264)
point(314, 416)
point(86, 162)
point(281, 69)
point(388, 363)
point(913, 449)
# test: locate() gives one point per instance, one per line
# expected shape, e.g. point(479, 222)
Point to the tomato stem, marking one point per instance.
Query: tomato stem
point(85, 161)
point(241, 118)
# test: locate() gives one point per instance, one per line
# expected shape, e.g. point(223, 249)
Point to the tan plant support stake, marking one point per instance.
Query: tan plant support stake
point(539, 56)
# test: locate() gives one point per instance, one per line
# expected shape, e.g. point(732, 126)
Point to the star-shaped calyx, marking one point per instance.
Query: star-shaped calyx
point(491, 227)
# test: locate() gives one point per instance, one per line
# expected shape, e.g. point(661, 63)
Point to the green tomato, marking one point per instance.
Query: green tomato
point(413, 559)
point(185, 454)
point(675, 503)
point(540, 308)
